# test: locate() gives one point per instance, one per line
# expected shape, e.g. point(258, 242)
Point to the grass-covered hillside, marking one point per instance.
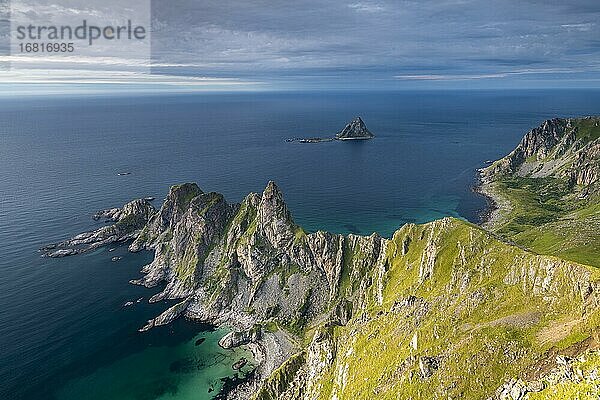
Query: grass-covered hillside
point(548, 190)
point(456, 314)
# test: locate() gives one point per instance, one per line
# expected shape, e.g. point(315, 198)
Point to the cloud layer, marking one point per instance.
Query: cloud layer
point(379, 43)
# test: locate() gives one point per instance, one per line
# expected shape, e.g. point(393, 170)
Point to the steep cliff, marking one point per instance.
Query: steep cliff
point(456, 314)
point(560, 147)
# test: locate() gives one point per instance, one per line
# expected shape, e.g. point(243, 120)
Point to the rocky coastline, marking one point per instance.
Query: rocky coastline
point(551, 150)
point(126, 223)
point(344, 316)
point(491, 215)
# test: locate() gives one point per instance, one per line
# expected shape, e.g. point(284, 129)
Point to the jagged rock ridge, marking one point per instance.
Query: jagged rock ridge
point(561, 147)
point(250, 259)
point(128, 221)
point(400, 318)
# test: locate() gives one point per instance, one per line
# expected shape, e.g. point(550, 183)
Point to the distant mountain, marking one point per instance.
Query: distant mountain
point(356, 129)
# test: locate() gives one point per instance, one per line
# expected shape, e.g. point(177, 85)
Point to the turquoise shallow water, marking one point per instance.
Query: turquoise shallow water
point(88, 347)
point(183, 371)
point(63, 330)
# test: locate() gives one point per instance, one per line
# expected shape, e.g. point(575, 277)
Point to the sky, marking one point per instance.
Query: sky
point(334, 44)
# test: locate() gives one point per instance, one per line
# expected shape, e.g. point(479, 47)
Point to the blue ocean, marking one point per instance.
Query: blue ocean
point(64, 333)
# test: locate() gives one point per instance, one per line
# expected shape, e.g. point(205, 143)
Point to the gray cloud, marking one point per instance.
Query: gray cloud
point(366, 43)
point(385, 38)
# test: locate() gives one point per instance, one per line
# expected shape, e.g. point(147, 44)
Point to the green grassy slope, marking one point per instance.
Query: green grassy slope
point(547, 217)
point(549, 212)
point(482, 312)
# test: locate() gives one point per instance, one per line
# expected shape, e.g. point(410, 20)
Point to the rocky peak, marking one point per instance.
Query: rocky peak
point(355, 129)
point(274, 217)
point(272, 195)
point(540, 141)
point(177, 201)
point(140, 208)
point(546, 149)
point(172, 210)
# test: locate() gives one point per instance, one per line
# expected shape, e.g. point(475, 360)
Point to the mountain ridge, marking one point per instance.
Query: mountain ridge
point(441, 309)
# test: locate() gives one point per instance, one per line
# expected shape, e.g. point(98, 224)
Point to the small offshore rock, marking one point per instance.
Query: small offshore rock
point(355, 129)
point(62, 253)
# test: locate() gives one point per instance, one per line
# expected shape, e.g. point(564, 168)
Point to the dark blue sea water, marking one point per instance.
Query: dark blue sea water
point(63, 331)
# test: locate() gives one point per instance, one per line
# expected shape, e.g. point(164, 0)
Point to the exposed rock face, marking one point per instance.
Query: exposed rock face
point(243, 265)
point(585, 170)
point(355, 129)
point(247, 262)
point(536, 143)
point(428, 366)
point(236, 338)
point(568, 373)
point(128, 221)
point(175, 204)
point(515, 389)
point(559, 148)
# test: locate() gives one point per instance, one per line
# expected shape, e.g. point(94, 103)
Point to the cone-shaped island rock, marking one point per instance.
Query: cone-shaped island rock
point(354, 130)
